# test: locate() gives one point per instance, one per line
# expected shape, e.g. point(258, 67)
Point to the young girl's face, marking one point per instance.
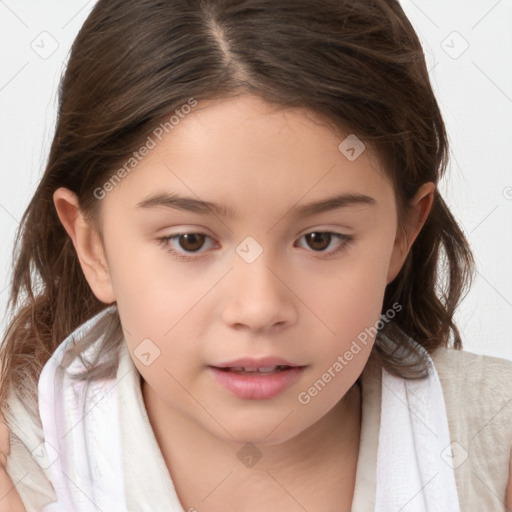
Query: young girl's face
point(281, 266)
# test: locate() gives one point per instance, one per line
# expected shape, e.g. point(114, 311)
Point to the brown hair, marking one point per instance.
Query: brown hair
point(355, 63)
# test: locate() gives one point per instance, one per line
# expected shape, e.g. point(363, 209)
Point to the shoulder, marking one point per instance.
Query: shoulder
point(478, 394)
point(458, 369)
point(478, 398)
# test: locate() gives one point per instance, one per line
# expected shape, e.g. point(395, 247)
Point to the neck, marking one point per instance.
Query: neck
point(211, 474)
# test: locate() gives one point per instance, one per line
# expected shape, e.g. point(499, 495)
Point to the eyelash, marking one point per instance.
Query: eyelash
point(165, 240)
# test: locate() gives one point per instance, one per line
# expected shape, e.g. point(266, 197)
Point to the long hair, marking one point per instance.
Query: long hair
point(359, 64)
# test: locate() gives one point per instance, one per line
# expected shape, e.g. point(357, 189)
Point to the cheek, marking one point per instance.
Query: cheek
point(347, 301)
point(349, 295)
point(150, 287)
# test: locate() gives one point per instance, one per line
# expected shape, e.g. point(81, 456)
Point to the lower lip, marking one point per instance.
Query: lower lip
point(259, 386)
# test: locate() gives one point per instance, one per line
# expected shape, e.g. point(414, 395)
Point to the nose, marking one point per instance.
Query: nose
point(258, 297)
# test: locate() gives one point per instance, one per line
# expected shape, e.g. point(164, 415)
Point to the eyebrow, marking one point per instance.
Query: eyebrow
point(190, 204)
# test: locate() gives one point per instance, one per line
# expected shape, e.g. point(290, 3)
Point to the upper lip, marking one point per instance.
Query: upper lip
point(255, 363)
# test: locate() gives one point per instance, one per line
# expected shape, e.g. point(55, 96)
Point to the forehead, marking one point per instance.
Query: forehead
point(253, 154)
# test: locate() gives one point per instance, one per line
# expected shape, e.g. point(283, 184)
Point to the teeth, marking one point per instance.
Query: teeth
point(266, 369)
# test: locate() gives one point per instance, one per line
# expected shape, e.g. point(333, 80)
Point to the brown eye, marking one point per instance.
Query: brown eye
point(186, 246)
point(191, 242)
point(319, 241)
point(325, 243)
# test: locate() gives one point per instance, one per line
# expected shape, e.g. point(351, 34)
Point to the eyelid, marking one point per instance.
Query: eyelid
point(166, 240)
point(345, 241)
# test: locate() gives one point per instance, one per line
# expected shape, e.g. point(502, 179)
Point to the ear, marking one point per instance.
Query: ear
point(418, 212)
point(87, 242)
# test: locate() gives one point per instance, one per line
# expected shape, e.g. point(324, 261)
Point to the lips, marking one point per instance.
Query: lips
point(256, 364)
point(256, 379)
point(267, 370)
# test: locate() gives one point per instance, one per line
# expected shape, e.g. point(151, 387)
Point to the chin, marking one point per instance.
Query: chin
point(258, 432)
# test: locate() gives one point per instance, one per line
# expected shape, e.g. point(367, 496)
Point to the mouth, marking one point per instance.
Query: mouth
point(256, 379)
point(266, 370)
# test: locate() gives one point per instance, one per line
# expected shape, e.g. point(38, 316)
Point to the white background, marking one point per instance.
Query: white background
point(473, 86)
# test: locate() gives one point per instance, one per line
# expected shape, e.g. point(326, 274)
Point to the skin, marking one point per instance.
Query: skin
point(292, 301)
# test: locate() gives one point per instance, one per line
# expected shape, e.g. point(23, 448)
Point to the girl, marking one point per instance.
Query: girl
point(239, 277)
